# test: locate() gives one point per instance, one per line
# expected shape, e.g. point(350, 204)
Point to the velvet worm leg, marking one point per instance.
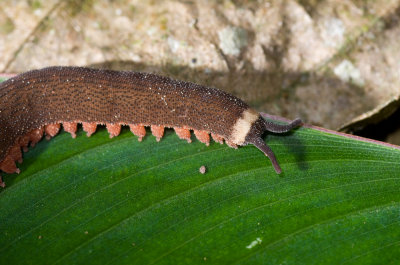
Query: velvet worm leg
point(279, 128)
point(260, 144)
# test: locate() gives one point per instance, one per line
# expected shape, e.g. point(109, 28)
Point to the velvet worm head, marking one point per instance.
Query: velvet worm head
point(38, 102)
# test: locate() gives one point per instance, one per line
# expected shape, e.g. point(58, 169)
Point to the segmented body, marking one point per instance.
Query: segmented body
point(40, 101)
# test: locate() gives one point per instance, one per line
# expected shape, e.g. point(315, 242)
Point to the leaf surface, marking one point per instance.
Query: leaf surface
point(118, 201)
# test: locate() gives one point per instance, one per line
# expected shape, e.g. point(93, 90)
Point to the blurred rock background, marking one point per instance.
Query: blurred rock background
point(334, 63)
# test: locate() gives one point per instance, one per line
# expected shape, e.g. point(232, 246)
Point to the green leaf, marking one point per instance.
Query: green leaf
point(117, 201)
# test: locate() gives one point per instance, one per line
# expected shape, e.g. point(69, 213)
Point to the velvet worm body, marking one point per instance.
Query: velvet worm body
point(39, 101)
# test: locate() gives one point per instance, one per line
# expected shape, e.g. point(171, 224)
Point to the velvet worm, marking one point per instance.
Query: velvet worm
point(38, 102)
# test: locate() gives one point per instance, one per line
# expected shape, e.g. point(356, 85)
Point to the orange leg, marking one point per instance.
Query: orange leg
point(35, 136)
point(89, 128)
point(51, 130)
point(203, 136)
point(138, 130)
point(157, 131)
point(113, 129)
point(8, 165)
point(217, 138)
point(183, 134)
point(15, 153)
point(70, 127)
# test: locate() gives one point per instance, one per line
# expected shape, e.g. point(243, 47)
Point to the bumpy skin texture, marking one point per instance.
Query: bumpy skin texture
point(71, 95)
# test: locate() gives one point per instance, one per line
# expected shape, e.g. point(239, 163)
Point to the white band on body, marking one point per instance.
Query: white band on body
point(243, 126)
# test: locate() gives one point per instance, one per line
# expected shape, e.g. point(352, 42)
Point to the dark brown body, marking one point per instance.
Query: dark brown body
point(55, 95)
point(70, 94)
